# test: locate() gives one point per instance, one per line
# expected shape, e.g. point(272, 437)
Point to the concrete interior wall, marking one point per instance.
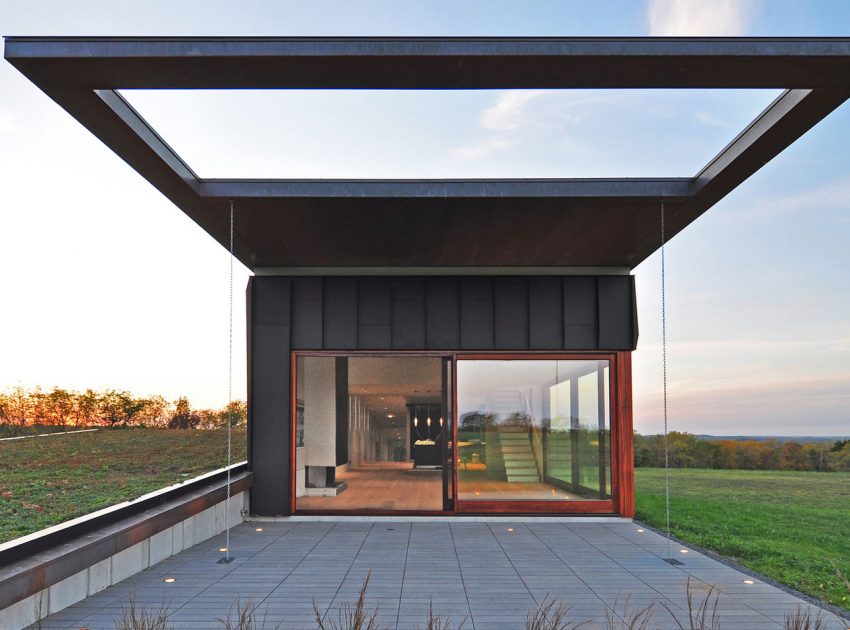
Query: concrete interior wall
point(320, 411)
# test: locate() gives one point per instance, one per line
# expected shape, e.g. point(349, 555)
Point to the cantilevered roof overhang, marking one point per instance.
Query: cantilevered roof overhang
point(466, 223)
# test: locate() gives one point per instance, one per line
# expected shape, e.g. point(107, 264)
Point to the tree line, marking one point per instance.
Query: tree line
point(688, 451)
point(109, 408)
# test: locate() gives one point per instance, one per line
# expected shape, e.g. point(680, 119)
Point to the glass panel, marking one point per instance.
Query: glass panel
point(533, 429)
point(370, 433)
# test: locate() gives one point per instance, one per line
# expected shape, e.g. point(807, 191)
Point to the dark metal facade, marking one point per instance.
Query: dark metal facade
point(437, 313)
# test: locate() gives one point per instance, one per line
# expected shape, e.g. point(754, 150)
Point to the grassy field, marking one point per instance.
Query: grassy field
point(47, 480)
point(788, 525)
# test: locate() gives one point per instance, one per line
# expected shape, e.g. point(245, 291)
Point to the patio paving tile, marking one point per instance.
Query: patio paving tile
point(478, 571)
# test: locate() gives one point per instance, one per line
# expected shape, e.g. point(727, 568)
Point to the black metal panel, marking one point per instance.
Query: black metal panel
point(442, 314)
point(270, 304)
point(511, 312)
point(580, 316)
point(340, 313)
point(269, 418)
point(374, 316)
point(476, 313)
point(408, 296)
point(545, 313)
point(341, 379)
point(615, 312)
point(307, 318)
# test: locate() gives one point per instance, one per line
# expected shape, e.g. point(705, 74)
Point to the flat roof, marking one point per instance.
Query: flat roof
point(466, 223)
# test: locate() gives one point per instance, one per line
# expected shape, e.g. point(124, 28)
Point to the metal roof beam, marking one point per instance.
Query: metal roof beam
point(433, 62)
point(359, 189)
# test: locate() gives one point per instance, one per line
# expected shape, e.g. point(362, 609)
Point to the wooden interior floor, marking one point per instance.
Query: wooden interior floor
point(383, 486)
point(504, 491)
point(395, 486)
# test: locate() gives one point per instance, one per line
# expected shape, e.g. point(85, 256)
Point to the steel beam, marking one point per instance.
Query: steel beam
point(360, 191)
point(433, 62)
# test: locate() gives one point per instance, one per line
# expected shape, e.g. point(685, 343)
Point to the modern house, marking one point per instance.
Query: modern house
point(489, 371)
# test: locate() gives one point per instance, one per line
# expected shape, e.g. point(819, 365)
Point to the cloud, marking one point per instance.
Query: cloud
point(510, 111)
point(688, 18)
point(707, 118)
point(520, 116)
point(834, 195)
point(481, 149)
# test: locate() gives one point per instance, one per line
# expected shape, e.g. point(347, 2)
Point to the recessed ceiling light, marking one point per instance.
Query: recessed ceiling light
point(389, 415)
point(169, 580)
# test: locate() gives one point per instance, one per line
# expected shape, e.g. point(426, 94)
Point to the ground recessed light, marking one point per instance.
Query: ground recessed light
point(641, 530)
point(169, 580)
point(259, 529)
point(510, 529)
point(748, 582)
point(683, 551)
point(222, 549)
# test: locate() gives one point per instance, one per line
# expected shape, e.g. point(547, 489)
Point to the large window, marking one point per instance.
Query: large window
point(536, 429)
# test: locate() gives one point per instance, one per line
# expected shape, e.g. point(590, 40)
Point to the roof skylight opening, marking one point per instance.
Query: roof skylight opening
point(269, 134)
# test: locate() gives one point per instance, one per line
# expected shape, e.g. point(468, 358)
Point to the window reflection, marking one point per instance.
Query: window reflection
point(533, 430)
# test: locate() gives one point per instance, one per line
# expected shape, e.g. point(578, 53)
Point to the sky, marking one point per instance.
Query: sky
point(133, 295)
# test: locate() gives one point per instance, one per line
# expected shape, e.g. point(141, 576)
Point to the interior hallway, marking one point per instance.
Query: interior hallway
point(383, 486)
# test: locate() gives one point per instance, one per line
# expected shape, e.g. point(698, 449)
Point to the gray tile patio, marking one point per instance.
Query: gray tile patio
point(475, 570)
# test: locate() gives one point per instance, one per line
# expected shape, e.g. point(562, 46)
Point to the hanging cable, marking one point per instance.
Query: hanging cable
point(227, 557)
point(664, 372)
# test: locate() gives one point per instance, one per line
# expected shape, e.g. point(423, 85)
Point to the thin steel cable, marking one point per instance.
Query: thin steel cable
point(664, 371)
point(229, 396)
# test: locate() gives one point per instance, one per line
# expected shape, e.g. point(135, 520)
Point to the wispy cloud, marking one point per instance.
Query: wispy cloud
point(517, 117)
point(685, 18)
point(510, 111)
point(712, 120)
point(834, 195)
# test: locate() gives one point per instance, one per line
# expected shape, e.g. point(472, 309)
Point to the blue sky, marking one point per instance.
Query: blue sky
point(135, 296)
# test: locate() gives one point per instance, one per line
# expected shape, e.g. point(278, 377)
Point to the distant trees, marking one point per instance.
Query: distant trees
point(688, 451)
point(23, 407)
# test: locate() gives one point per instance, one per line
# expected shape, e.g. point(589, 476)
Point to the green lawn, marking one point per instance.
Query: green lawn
point(785, 524)
point(47, 480)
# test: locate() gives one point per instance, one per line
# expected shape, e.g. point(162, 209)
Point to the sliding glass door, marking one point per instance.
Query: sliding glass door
point(533, 431)
point(453, 433)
